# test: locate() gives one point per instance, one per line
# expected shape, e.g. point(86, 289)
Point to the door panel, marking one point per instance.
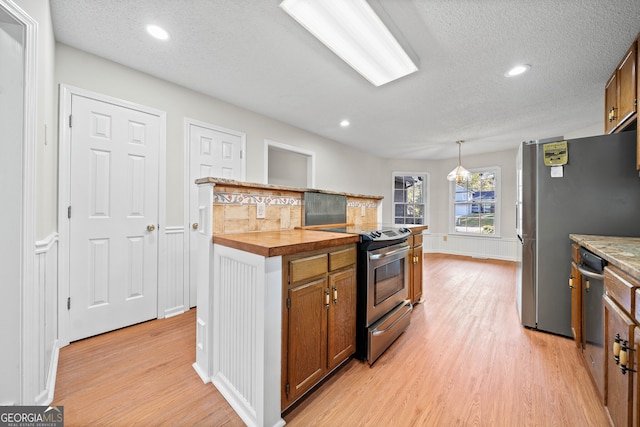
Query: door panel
point(307, 352)
point(114, 214)
point(213, 153)
point(341, 329)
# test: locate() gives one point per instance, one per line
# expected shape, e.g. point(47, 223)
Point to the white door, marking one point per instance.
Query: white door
point(113, 236)
point(214, 152)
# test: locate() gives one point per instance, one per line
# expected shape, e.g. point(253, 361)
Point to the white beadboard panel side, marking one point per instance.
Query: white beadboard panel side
point(176, 292)
point(246, 333)
point(474, 246)
point(45, 326)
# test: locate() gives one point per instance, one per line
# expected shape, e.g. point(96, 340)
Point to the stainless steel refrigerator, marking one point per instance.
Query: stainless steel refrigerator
point(598, 193)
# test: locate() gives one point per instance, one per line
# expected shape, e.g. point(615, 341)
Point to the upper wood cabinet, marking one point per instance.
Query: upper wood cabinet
point(621, 92)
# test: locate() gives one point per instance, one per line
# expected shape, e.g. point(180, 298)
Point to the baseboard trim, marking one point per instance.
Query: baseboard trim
point(505, 249)
point(46, 397)
point(203, 376)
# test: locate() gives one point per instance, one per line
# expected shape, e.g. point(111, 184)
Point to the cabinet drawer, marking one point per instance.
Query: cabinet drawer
point(619, 288)
point(306, 268)
point(417, 239)
point(342, 258)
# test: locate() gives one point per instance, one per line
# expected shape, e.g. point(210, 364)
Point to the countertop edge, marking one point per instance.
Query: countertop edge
point(283, 249)
point(596, 244)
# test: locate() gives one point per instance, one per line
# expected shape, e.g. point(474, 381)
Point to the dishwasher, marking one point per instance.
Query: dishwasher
point(591, 268)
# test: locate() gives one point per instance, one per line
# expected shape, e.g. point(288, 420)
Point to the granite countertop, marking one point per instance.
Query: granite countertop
point(284, 242)
point(622, 252)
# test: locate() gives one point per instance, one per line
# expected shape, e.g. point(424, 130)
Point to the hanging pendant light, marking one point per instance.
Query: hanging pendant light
point(459, 174)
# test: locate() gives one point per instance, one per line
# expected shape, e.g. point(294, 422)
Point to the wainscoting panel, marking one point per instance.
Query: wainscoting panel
point(40, 381)
point(478, 247)
point(176, 292)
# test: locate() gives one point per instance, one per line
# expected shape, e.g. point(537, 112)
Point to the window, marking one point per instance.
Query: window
point(475, 203)
point(409, 198)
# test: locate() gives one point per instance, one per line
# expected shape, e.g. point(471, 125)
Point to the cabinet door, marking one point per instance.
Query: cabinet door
point(637, 92)
point(341, 327)
point(575, 282)
point(627, 86)
point(610, 103)
point(307, 337)
point(416, 276)
point(619, 385)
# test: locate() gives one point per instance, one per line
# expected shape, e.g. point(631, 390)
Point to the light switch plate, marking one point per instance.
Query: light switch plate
point(260, 210)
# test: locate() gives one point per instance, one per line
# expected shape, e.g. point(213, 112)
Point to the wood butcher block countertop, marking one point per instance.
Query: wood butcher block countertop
point(622, 252)
point(284, 242)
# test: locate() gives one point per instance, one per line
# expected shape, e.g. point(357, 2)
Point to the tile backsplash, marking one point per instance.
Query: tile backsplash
point(235, 208)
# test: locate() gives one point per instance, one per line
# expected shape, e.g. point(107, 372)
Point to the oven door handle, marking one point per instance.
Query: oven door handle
point(386, 254)
point(399, 314)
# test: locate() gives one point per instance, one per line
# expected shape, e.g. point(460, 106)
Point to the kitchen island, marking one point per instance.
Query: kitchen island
point(239, 317)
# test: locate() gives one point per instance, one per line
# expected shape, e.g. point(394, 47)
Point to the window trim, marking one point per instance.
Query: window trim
point(498, 202)
point(427, 189)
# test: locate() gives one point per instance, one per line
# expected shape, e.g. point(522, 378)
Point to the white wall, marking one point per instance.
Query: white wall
point(11, 119)
point(24, 302)
point(439, 186)
point(338, 167)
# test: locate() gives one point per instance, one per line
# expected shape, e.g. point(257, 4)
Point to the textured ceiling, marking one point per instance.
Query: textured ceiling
point(252, 54)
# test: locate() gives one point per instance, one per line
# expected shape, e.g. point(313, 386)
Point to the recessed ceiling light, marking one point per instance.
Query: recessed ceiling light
point(157, 32)
point(345, 123)
point(517, 70)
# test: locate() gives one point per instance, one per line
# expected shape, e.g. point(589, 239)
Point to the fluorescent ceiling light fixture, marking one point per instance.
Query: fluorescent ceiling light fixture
point(353, 31)
point(157, 32)
point(517, 70)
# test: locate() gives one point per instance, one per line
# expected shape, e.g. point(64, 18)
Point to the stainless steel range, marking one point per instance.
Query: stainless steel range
point(383, 307)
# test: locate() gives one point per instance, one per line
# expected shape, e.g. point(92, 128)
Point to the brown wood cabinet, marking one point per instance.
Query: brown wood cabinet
point(621, 91)
point(319, 317)
point(621, 342)
point(415, 267)
point(575, 283)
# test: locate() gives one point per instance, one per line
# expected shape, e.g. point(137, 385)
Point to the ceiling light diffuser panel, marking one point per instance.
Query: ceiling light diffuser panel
point(353, 31)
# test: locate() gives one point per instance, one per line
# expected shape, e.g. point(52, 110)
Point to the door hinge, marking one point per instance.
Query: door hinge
point(241, 154)
point(288, 302)
point(69, 212)
point(287, 388)
point(68, 303)
point(70, 120)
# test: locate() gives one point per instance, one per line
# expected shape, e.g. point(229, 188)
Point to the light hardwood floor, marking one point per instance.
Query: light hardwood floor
point(464, 361)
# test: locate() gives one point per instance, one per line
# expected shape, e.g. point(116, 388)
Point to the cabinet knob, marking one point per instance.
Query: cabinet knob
point(194, 226)
point(151, 227)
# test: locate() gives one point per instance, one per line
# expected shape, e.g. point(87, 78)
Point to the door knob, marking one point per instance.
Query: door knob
point(151, 227)
point(195, 226)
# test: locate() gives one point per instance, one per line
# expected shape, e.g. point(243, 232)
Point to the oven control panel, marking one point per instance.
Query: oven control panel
point(386, 234)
